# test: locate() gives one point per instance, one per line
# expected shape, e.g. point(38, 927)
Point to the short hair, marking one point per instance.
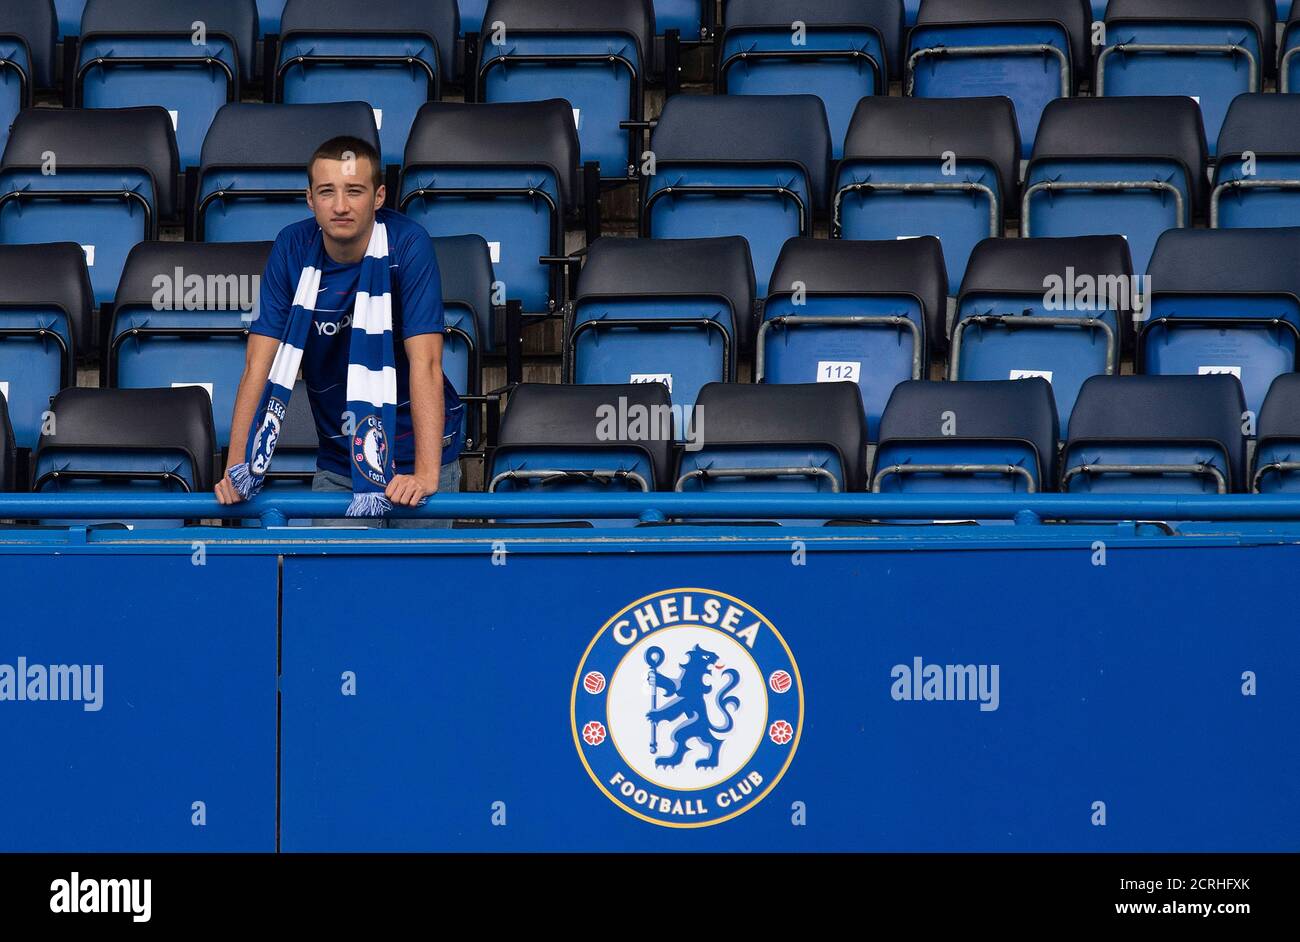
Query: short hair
point(345, 148)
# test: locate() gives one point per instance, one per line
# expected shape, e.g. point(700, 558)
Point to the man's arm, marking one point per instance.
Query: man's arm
point(257, 369)
point(424, 353)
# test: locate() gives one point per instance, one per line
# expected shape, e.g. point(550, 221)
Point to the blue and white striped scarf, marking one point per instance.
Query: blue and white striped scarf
point(371, 389)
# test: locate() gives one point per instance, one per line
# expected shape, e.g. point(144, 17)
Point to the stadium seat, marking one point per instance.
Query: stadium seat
point(693, 19)
point(8, 451)
point(803, 438)
point(1288, 79)
point(465, 267)
point(671, 311)
point(1032, 51)
point(1257, 174)
point(27, 32)
point(149, 52)
point(925, 166)
point(584, 439)
point(1224, 301)
point(848, 49)
point(393, 54)
point(1055, 308)
point(268, 16)
point(46, 304)
point(1277, 451)
point(69, 16)
point(998, 436)
point(1207, 49)
point(1128, 166)
point(863, 312)
point(142, 441)
point(508, 172)
point(1156, 435)
point(910, 9)
point(101, 177)
point(594, 55)
point(752, 166)
point(253, 174)
point(181, 318)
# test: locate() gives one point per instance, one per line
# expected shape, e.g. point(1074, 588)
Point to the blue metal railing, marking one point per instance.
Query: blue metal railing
point(277, 509)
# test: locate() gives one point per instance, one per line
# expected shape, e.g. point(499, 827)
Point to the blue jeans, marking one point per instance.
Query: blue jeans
point(448, 483)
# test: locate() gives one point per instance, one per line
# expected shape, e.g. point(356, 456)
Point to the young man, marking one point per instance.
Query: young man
point(346, 196)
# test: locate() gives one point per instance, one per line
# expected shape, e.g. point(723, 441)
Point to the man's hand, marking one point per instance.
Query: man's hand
point(226, 493)
point(407, 490)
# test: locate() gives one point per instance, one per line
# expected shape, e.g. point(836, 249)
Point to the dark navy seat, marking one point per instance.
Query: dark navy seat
point(1257, 174)
point(671, 311)
point(393, 54)
point(150, 52)
point(46, 304)
point(100, 177)
point(928, 166)
point(1032, 51)
point(594, 55)
point(181, 318)
point(508, 172)
point(27, 35)
point(1224, 301)
point(1128, 166)
point(753, 166)
point(1208, 49)
point(801, 438)
point(1059, 309)
point(1156, 435)
point(998, 436)
point(1277, 451)
point(848, 49)
point(863, 312)
point(465, 267)
point(253, 175)
point(145, 441)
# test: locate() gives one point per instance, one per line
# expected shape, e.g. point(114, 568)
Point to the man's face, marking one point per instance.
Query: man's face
point(343, 197)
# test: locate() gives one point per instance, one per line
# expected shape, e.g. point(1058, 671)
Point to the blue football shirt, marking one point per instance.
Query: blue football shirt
point(417, 309)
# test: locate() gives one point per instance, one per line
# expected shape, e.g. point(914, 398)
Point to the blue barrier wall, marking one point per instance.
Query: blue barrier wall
point(439, 692)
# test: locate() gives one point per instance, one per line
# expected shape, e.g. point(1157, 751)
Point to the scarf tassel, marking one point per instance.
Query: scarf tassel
point(242, 479)
point(368, 504)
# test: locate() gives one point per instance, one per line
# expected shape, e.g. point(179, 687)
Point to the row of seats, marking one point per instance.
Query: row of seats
point(757, 168)
point(685, 312)
point(398, 54)
point(1128, 435)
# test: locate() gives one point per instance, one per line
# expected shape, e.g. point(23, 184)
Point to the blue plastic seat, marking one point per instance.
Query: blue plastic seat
point(1059, 309)
point(849, 49)
point(670, 311)
point(928, 166)
point(998, 436)
point(593, 55)
point(1277, 451)
point(1288, 79)
point(181, 318)
point(27, 34)
point(268, 16)
point(8, 452)
point(114, 176)
point(1224, 301)
point(801, 438)
point(1031, 51)
point(69, 16)
point(393, 54)
point(863, 312)
point(149, 52)
point(750, 166)
point(1257, 174)
point(465, 267)
point(1207, 49)
point(145, 441)
point(46, 304)
point(508, 172)
point(253, 175)
point(1156, 435)
point(1128, 166)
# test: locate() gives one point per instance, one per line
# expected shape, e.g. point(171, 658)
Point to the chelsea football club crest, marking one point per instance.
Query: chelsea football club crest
point(370, 450)
point(268, 433)
point(687, 708)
